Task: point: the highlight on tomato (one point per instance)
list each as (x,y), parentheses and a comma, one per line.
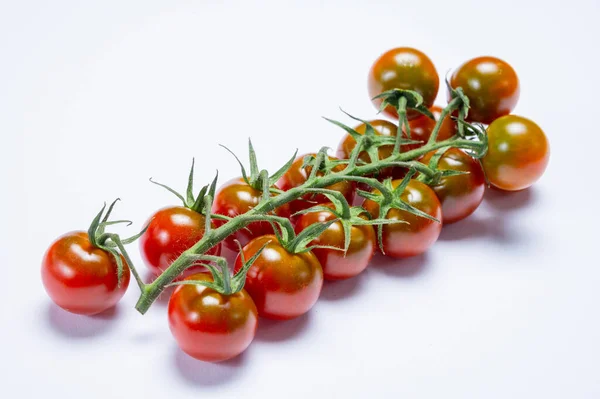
(518,153)
(339,264)
(282,283)
(211,316)
(460,195)
(491,85)
(83,273)
(172,230)
(403,68)
(418,233)
(210,325)
(297,175)
(236,197)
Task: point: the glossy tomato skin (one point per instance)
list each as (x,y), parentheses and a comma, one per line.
(282,285)
(171,231)
(210,326)
(236,197)
(404,68)
(80,277)
(422,127)
(297,175)
(382,128)
(491,85)
(459,195)
(336,265)
(518,153)
(402,240)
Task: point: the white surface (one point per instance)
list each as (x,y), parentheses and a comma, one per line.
(96,98)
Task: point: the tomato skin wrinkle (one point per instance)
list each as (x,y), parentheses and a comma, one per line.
(337,265)
(236,197)
(459,195)
(171,231)
(403,68)
(491,85)
(518,153)
(80,277)
(210,326)
(297,175)
(402,240)
(283,285)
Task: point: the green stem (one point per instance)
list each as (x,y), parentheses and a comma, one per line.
(402,120)
(356,173)
(453,105)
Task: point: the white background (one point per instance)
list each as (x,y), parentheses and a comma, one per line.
(96,97)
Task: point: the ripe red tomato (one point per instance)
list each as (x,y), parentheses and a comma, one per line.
(404,68)
(415,237)
(491,85)
(80,277)
(337,265)
(170,232)
(422,127)
(297,175)
(235,198)
(283,285)
(460,195)
(211,326)
(382,128)
(518,153)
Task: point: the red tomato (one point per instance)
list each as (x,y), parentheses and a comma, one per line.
(460,195)
(422,127)
(518,153)
(404,68)
(491,85)
(415,237)
(382,128)
(235,198)
(80,277)
(211,326)
(297,175)
(170,232)
(336,265)
(282,285)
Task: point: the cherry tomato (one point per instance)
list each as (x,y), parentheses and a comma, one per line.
(336,265)
(460,195)
(491,85)
(518,153)
(235,198)
(404,68)
(211,326)
(415,237)
(382,128)
(297,175)
(80,277)
(422,127)
(170,232)
(283,285)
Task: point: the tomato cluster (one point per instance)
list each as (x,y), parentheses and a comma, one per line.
(212,321)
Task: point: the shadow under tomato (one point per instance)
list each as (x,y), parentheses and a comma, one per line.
(336,290)
(198,373)
(509,200)
(73,325)
(495,229)
(282,330)
(411,267)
